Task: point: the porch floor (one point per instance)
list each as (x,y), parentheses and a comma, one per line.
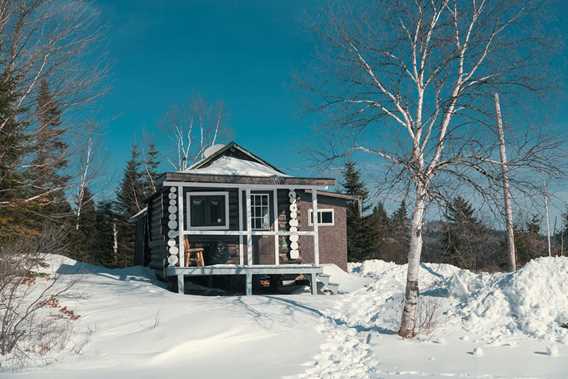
(248,270)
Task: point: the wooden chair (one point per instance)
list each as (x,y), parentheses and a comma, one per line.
(192,256)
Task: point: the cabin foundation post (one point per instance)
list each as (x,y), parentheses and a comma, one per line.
(249,284)
(313,283)
(181,284)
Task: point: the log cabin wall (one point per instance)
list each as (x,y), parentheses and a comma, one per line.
(332,238)
(157,220)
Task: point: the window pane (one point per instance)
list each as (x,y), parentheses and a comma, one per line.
(326,217)
(208,210)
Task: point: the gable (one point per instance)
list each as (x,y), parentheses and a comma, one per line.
(233,159)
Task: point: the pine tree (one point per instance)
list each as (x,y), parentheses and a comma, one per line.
(50,157)
(129,200)
(399,232)
(359,236)
(150,170)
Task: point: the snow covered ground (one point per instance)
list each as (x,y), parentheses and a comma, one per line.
(479,326)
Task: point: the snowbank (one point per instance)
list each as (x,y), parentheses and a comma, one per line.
(531,302)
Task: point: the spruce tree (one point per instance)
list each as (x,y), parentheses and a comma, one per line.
(378,232)
(104,245)
(359,236)
(150,170)
(463,235)
(129,201)
(46,171)
(14,146)
(399,232)
(87,232)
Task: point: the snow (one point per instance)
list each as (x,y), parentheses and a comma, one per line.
(485,326)
(227,165)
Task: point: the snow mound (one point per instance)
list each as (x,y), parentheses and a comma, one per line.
(531,302)
(59,264)
(234,166)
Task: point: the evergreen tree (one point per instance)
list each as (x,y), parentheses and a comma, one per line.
(14,145)
(86,230)
(463,236)
(399,234)
(129,200)
(104,245)
(150,174)
(359,236)
(379,229)
(529,243)
(50,158)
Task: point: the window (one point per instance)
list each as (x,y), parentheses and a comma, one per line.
(208,210)
(325,217)
(260,211)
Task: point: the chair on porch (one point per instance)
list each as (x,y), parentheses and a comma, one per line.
(192,256)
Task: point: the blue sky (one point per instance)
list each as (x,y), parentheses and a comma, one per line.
(243,53)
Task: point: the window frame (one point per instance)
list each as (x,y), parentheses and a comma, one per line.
(311,218)
(253,217)
(207,193)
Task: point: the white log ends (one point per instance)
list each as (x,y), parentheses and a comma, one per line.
(173,217)
(172,195)
(293,223)
(172,209)
(171,243)
(173,234)
(294,254)
(173,260)
(173,189)
(172,225)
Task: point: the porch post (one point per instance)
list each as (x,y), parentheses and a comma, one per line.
(276,226)
(316,226)
(249,227)
(180,228)
(240,213)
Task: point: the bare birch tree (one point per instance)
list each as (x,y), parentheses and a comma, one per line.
(507,200)
(193,127)
(411,83)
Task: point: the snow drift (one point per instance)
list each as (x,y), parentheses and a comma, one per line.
(531,302)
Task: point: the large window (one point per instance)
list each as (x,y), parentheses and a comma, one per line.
(208,210)
(325,217)
(260,211)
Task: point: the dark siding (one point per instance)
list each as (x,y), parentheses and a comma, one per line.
(157,221)
(332,239)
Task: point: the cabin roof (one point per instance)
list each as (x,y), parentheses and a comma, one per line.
(234,164)
(233,159)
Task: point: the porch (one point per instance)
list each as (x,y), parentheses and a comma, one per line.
(272,234)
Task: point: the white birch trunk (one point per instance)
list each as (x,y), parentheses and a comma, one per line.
(506,187)
(408,321)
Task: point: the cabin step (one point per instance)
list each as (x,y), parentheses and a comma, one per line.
(325,286)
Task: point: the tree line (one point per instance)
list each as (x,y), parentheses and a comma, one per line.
(461,237)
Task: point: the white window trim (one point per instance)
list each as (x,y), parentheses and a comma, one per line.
(208,193)
(268,226)
(320,210)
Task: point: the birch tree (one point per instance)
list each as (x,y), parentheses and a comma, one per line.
(411,83)
(193,128)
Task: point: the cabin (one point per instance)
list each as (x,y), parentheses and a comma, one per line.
(234,214)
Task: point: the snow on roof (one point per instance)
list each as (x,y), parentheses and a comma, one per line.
(228,165)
